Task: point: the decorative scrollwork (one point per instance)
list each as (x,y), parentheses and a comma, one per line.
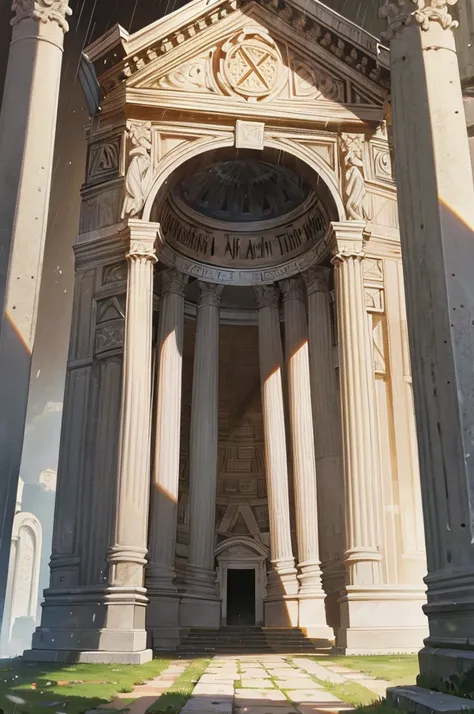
(401,13)
(43,10)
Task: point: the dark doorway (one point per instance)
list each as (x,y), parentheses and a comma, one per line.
(241,597)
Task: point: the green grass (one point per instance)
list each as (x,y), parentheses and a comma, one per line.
(174,699)
(72,689)
(399,669)
(381,707)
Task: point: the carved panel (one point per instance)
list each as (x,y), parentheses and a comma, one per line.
(249,135)
(111,309)
(115,273)
(104,160)
(374,298)
(110,337)
(373,269)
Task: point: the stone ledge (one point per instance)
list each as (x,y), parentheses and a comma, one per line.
(425,701)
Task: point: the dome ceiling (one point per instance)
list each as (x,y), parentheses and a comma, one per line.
(241,191)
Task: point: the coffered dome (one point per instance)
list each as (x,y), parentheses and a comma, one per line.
(243,191)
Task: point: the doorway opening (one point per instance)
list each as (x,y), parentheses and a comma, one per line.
(241,597)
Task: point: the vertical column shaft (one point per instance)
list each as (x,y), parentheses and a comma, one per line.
(271,365)
(203,445)
(164,495)
(27,133)
(302,433)
(362,557)
(127,555)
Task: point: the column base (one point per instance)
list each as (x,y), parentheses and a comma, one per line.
(92,625)
(162,620)
(312,618)
(446,668)
(282,611)
(199,611)
(367,617)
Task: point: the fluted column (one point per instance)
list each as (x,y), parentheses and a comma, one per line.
(362,555)
(127,555)
(282,580)
(201,574)
(311,596)
(162,612)
(436,207)
(164,499)
(27,133)
(327,430)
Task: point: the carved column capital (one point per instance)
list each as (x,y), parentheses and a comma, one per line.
(42,10)
(346,240)
(402,13)
(210,294)
(143,240)
(267,296)
(172,281)
(293,289)
(317,279)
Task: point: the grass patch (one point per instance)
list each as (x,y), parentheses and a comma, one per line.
(350,693)
(381,707)
(399,669)
(72,689)
(174,699)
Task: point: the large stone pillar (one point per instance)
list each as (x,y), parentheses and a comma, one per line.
(27,133)
(201,605)
(436,207)
(163,609)
(327,431)
(312,612)
(363,611)
(281,605)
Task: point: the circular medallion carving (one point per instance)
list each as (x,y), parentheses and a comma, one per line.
(251,64)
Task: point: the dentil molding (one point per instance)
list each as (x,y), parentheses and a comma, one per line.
(401,13)
(43,10)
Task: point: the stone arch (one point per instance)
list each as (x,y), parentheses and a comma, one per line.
(184,152)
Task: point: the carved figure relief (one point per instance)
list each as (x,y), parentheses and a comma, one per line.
(139,174)
(354,188)
(251,64)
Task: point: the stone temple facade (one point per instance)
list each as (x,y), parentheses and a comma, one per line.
(238,441)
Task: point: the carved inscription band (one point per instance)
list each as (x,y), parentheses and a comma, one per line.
(43,10)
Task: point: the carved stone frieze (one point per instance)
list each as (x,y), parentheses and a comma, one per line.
(402,13)
(42,10)
(139,173)
(354,186)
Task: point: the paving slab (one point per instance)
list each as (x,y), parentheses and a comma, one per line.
(319,671)
(289,673)
(255,695)
(140,706)
(212,679)
(338,668)
(295,683)
(268,708)
(202,704)
(316,696)
(324,709)
(248,682)
(213,690)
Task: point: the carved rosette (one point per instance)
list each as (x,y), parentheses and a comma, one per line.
(402,13)
(42,10)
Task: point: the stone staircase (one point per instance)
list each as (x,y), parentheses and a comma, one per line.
(200,641)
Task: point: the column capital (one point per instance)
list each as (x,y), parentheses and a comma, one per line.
(402,13)
(317,279)
(267,296)
(172,281)
(210,294)
(347,239)
(142,240)
(293,289)
(42,10)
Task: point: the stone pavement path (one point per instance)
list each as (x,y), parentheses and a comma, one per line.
(146,694)
(264,684)
(337,674)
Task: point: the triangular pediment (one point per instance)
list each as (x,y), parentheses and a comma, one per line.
(252,51)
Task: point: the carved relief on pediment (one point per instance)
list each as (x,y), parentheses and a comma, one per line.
(250,65)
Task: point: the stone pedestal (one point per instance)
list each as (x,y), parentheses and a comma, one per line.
(201,605)
(436,207)
(27,133)
(328,445)
(312,612)
(281,605)
(163,608)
